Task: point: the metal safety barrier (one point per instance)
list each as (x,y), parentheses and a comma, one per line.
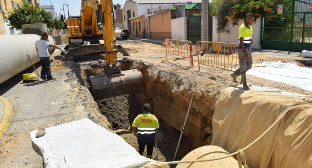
(179,48)
(217,54)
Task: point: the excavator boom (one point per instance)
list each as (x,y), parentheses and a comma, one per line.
(113,78)
(108,29)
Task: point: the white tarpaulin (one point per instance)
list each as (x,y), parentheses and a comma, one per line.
(84,144)
(289,73)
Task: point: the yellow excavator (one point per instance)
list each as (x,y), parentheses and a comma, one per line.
(91,11)
(89,26)
(85,31)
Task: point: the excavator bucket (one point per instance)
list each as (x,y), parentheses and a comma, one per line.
(90,52)
(85,52)
(106,85)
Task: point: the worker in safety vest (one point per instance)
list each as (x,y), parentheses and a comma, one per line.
(244,51)
(144,127)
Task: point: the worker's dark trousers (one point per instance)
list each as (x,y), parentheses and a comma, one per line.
(244,65)
(46,69)
(149,148)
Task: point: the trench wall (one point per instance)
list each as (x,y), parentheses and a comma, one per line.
(170,95)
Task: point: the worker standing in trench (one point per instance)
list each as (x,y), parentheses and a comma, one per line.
(244,52)
(144,127)
(42,49)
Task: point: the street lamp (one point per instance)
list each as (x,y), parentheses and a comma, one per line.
(64,11)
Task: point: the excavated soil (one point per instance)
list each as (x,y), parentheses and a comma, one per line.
(120,110)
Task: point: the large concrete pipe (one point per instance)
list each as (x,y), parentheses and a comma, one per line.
(105,85)
(36,28)
(14,50)
(209,152)
(122,34)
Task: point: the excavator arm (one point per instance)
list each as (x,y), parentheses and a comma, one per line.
(111,50)
(108,29)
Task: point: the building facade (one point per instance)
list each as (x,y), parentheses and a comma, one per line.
(135,8)
(9,5)
(138,26)
(118,19)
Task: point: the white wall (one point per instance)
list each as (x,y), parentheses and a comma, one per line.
(232,36)
(179,28)
(8,30)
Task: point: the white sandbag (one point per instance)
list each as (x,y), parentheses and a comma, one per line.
(306,54)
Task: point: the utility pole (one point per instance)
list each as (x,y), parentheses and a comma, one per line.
(205,20)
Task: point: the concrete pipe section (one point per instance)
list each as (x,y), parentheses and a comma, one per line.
(14,50)
(122,34)
(209,152)
(104,84)
(36,28)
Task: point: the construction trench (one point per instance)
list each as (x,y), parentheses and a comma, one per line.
(169,96)
(169,91)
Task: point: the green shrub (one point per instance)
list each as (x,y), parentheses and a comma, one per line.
(26,13)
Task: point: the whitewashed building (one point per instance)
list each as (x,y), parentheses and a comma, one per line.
(135,8)
(50,9)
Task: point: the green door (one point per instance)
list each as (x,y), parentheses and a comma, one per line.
(194,28)
(292,30)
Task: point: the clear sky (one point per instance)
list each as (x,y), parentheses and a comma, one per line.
(74,5)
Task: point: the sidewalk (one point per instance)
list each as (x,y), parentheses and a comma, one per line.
(279,53)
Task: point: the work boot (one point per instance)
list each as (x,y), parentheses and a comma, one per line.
(244,81)
(149,156)
(50,78)
(235,75)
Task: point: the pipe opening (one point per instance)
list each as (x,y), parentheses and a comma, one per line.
(122,34)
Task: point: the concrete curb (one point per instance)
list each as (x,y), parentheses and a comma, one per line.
(7,115)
